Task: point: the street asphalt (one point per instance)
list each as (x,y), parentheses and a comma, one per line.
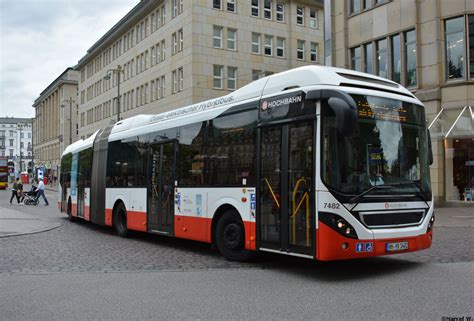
(53,269)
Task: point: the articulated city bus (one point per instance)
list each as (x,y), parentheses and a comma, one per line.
(317,162)
(3,172)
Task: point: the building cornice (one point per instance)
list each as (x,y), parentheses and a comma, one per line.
(54,85)
(139,11)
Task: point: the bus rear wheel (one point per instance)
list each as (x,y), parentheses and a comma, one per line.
(120,220)
(230,237)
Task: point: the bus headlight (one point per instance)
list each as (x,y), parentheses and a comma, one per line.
(338,224)
(431,223)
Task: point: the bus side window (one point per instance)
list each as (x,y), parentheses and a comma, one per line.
(231,149)
(191,158)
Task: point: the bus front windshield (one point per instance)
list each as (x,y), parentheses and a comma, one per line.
(388,148)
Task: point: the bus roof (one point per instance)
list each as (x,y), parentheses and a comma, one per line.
(297,78)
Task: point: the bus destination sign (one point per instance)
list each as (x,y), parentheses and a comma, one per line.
(381,112)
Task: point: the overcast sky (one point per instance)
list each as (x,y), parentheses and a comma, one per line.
(39,39)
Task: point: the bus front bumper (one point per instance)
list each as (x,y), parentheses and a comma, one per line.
(333,246)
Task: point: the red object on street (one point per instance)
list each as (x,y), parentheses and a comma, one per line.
(45,180)
(24,178)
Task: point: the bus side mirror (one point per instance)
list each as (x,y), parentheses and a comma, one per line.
(430,149)
(346,117)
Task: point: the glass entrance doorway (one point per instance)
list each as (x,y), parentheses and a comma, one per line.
(286,188)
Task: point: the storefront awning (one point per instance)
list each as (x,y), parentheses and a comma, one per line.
(453,123)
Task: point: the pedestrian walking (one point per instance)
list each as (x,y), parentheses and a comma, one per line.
(41,192)
(19,192)
(15,191)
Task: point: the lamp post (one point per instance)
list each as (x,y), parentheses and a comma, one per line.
(20,126)
(107,76)
(70,101)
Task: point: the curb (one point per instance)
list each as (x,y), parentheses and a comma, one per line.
(56,225)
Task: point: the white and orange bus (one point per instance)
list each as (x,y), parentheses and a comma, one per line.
(317,162)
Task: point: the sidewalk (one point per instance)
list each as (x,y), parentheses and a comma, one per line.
(454,217)
(14,222)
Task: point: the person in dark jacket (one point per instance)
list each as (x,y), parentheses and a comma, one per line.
(14,191)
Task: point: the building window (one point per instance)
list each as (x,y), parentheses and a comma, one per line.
(216,4)
(255,43)
(300,16)
(382,62)
(163,50)
(300,50)
(368,58)
(180,79)
(231,5)
(11,142)
(255,8)
(180,40)
(231,39)
(314,52)
(217,37)
(454,29)
(174,41)
(267,9)
(256,74)
(410,58)
(268,45)
(175,8)
(396,59)
(280,12)
(471,46)
(163,87)
(217,78)
(163,15)
(280,47)
(231,78)
(313,18)
(355,59)
(355,6)
(174,79)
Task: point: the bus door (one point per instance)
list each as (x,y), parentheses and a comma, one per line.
(286,214)
(161,174)
(81,193)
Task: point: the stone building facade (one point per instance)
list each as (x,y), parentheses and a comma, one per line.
(171,53)
(55,122)
(16,143)
(427,46)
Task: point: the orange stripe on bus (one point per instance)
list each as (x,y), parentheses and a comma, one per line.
(193,228)
(108,216)
(136,221)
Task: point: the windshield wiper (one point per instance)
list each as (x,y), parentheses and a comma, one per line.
(419,193)
(356,198)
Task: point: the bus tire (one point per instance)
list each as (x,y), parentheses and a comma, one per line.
(230,237)
(120,220)
(69,212)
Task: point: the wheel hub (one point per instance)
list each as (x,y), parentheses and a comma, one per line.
(232,236)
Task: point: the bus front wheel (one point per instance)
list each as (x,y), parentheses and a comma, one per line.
(230,237)
(120,220)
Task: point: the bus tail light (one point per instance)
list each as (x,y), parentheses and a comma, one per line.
(338,224)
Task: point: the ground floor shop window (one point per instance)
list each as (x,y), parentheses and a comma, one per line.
(460,169)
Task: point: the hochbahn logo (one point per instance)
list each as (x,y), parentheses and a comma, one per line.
(269,104)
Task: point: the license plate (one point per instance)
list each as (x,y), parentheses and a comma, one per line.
(397,246)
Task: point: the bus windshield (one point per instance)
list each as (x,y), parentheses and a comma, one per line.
(389,147)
